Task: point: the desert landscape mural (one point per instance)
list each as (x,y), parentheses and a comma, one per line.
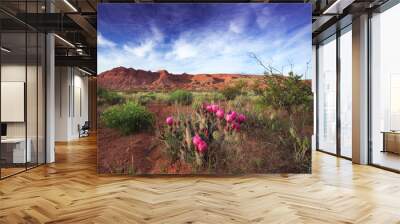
(176,100)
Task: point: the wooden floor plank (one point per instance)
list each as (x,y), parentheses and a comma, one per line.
(70,191)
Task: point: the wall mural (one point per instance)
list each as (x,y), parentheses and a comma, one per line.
(204,88)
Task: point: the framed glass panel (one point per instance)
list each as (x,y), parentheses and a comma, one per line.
(327,95)
(385,89)
(41,99)
(14,153)
(346,93)
(32,98)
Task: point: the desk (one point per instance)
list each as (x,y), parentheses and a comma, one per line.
(391,141)
(17,148)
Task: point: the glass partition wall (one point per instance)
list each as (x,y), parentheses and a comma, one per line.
(22,77)
(334,93)
(327,95)
(385,89)
(345,90)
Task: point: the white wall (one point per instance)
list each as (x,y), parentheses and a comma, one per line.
(62,82)
(71,102)
(16,73)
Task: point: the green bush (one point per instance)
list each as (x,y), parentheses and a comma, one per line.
(181,97)
(213,97)
(128,118)
(144,99)
(109,97)
(242,101)
(206,97)
(231,92)
(238,87)
(287,93)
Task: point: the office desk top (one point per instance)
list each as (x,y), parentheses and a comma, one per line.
(390,132)
(13,140)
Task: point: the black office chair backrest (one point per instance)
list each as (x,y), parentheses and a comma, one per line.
(86,125)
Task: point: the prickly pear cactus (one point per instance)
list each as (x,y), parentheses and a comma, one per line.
(217,135)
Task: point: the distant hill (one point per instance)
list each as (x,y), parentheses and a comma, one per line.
(125,79)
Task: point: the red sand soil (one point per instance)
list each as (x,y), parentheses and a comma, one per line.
(142,151)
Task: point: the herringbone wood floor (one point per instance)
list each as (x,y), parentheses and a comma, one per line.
(70,191)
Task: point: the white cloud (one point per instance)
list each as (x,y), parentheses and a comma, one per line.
(142,50)
(234,27)
(262,19)
(103,42)
(156,34)
(208,51)
(182,50)
(147,46)
(238,25)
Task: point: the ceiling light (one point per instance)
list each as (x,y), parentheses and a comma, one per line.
(337,7)
(86,72)
(64,40)
(79,51)
(70,5)
(5,50)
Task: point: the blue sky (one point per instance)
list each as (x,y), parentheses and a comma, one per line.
(204,38)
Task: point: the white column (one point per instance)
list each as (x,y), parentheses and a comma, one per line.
(360,89)
(314,90)
(50,94)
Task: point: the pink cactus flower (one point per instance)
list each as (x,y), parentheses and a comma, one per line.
(209,108)
(229,118)
(236,126)
(233,114)
(202,146)
(214,108)
(220,113)
(241,118)
(196,140)
(169,120)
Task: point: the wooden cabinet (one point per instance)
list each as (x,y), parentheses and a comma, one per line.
(391,142)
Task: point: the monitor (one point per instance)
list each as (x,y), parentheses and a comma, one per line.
(3,129)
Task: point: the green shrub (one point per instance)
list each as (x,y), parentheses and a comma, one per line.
(238,87)
(128,118)
(144,99)
(109,97)
(209,97)
(287,93)
(214,97)
(231,92)
(242,101)
(302,149)
(181,97)
(197,103)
